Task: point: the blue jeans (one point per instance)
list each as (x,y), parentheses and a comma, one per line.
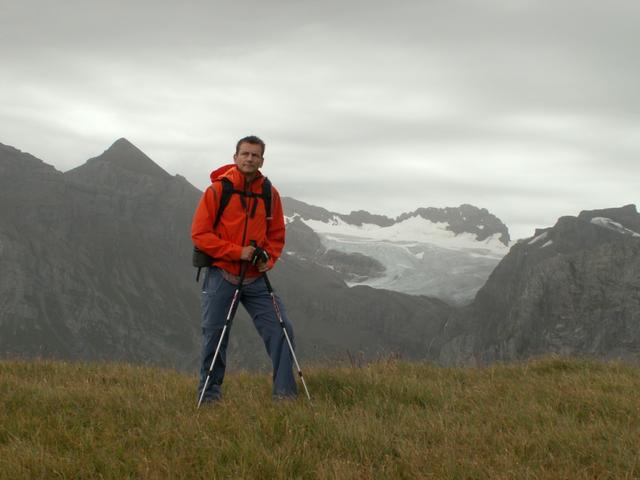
(217,294)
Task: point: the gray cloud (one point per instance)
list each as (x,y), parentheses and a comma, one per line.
(528,108)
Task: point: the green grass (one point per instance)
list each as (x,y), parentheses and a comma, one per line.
(551,418)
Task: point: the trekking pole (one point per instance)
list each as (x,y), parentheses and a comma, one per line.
(230,315)
(286,335)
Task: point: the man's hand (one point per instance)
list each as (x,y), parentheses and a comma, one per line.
(247,253)
(262,266)
(261,260)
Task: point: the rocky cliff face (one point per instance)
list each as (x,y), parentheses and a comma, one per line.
(570,289)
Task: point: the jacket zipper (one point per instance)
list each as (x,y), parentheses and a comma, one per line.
(246,219)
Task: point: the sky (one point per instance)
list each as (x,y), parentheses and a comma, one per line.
(530,109)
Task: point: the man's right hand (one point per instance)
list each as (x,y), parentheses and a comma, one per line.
(247,253)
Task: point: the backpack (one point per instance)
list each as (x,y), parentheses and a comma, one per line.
(200,259)
(228,190)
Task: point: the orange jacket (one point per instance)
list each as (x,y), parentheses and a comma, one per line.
(237,227)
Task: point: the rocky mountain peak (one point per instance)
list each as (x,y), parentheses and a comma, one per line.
(126,155)
(121,158)
(464,219)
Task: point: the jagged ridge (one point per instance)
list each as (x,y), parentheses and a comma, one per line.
(463,219)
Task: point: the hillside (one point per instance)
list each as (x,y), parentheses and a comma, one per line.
(542,419)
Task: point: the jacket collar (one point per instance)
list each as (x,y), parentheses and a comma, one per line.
(238,179)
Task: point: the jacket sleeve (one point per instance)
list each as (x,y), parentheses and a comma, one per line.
(202,233)
(274,242)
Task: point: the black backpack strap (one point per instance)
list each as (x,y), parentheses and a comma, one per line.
(266,196)
(227,191)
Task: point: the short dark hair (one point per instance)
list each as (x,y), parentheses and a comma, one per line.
(251,139)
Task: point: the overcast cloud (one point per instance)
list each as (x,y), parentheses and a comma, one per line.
(530,109)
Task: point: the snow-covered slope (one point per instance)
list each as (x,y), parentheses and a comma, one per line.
(420,256)
(615,226)
(412,230)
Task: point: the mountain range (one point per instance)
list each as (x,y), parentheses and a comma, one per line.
(95,265)
(446,253)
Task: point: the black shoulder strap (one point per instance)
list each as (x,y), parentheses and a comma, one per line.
(266,196)
(227,190)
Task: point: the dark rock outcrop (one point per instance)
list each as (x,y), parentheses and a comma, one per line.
(354,267)
(302,240)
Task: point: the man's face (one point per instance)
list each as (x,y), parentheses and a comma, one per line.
(249,158)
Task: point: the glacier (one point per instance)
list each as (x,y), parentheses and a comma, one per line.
(421,257)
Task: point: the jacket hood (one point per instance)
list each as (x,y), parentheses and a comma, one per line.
(231,172)
(219,172)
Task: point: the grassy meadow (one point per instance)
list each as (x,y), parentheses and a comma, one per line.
(543,419)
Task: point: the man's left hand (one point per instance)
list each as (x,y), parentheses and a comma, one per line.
(262,266)
(261,259)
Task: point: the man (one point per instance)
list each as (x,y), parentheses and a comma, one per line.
(243,221)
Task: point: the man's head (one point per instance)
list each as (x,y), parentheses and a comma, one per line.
(249,156)
(252,139)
